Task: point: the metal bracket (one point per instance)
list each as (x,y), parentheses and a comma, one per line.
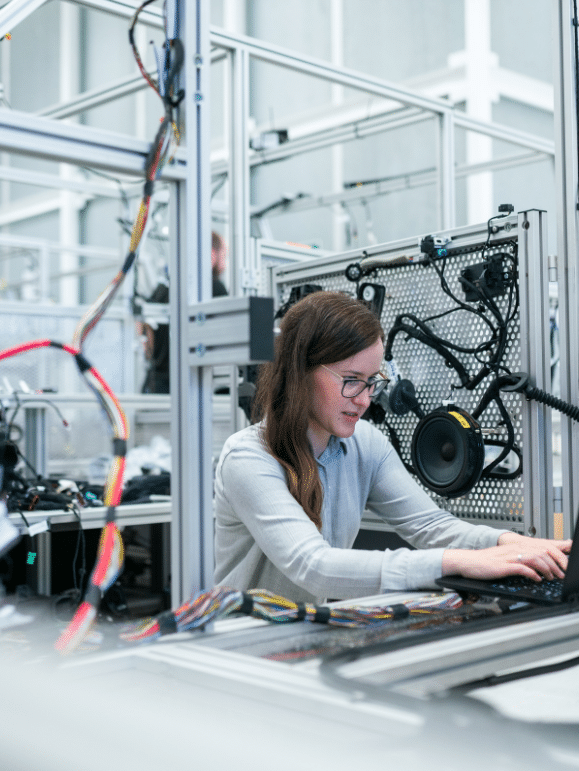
(231,330)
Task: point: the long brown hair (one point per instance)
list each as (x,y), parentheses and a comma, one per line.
(323,328)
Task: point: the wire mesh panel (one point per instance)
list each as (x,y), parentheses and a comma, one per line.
(426,299)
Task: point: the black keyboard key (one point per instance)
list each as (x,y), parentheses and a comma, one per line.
(515,584)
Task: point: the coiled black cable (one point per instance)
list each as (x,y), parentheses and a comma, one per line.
(537,395)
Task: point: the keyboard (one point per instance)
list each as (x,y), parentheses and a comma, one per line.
(515,588)
(548,591)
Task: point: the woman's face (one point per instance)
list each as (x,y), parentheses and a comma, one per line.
(330,412)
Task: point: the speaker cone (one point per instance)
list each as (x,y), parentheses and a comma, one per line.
(448,451)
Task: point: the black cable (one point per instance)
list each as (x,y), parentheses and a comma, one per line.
(396,444)
(424,335)
(80,539)
(27,462)
(499,333)
(489,472)
(492,680)
(447,291)
(536,394)
(15,411)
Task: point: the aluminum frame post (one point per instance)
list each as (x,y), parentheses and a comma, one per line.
(536,360)
(238,172)
(243,277)
(446,171)
(191,431)
(566,176)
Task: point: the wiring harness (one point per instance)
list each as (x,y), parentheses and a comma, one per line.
(222,601)
(496,275)
(110,552)
(160,153)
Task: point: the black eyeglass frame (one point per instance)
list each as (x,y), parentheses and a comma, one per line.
(379,384)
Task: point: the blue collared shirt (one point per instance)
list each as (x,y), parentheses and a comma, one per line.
(265,540)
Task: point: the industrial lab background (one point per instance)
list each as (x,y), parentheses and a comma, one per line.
(334,125)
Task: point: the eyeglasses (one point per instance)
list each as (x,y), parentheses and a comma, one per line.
(352,387)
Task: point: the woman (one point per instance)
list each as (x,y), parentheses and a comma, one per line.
(290,491)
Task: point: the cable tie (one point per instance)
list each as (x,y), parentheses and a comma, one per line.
(322,615)
(301,611)
(175,101)
(93,595)
(119,447)
(247,604)
(111,514)
(398,611)
(167,622)
(128,262)
(82,363)
(148,188)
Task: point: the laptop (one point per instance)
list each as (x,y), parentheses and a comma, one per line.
(520,588)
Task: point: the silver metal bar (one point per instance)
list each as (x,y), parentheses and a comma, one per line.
(506,133)
(191,431)
(25,242)
(90,99)
(151,16)
(317,68)
(566,159)
(535,360)
(437,666)
(408,181)
(243,279)
(73,143)
(35,437)
(44,563)
(283,57)
(55,277)
(137,401)
(319,139)
(95,517)
(15,12)
(85,186)
(98,96)
(446,173)
(466,235)
(238,168)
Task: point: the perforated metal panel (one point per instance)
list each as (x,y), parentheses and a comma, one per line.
(416,289)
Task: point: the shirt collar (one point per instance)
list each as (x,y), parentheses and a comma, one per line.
(335,449)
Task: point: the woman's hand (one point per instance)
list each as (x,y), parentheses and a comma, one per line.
(514,555)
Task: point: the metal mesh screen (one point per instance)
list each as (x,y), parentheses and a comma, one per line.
(416,289)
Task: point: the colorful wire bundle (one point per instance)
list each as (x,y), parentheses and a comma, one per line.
(110,555)
(221,602)
(105,572)
(162,150)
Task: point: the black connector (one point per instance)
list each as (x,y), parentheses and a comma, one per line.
(434,246)
(485,279)
(297,293)
(372,295)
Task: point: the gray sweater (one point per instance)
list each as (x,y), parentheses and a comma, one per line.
(265,540)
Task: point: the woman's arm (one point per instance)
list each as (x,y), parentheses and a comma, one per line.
(514,555)
(473,550)
(403,504)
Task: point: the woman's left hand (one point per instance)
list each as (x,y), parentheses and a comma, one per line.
(546,557)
